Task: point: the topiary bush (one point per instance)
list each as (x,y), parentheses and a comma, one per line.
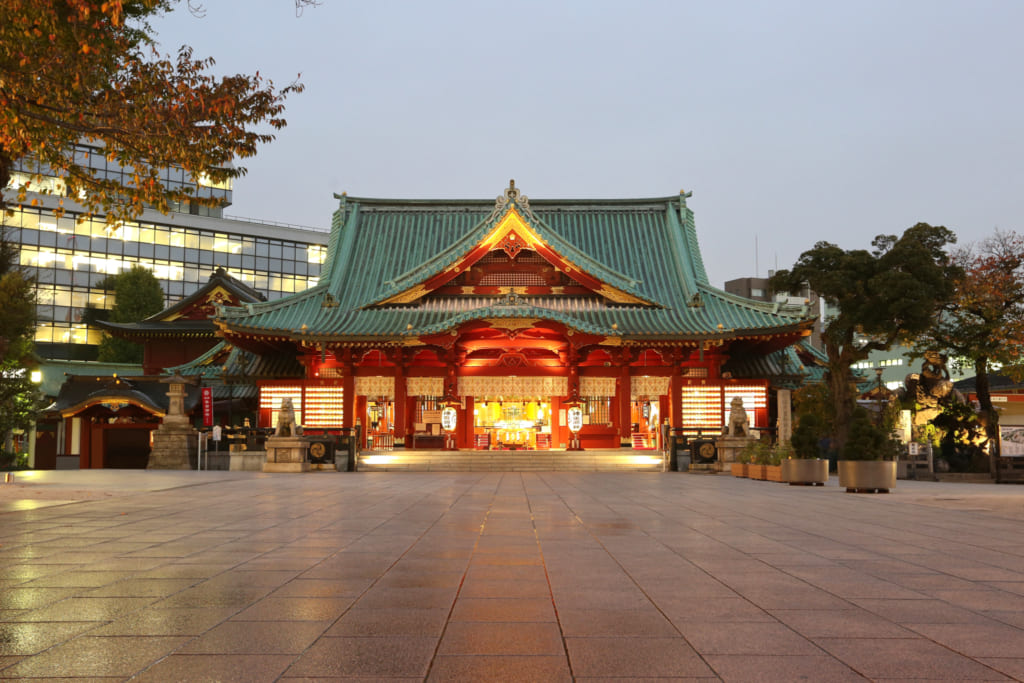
(867,440)
(807,436)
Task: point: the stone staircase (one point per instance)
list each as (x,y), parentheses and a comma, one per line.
(621,460)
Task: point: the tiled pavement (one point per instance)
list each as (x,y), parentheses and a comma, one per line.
(164,576)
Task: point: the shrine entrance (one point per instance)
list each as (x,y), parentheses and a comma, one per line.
(380,423)
(645,418)
(501,424)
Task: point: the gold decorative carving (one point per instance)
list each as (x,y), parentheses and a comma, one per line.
(511,324)
(513,387)
(597,386)
(382,387)
(424,386)
(648,386)
(408,296)
(620,297)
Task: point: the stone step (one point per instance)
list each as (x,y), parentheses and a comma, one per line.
(624,460)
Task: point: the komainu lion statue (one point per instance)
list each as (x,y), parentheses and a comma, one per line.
(286,420)
(739,425)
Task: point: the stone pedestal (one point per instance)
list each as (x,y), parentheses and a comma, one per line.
(174,446)
(247,461)
(287,454)
(174,441)
(785,407)
(728,448)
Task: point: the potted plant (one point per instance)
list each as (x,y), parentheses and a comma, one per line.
(868,460)
(741,466)
(759,453)
(804,466)
(777,454)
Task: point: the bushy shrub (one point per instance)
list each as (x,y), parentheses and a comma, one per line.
(756,452)
(9,460)
(781,451)
(868,441)
(806,437)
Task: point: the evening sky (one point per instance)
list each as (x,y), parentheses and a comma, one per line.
(790,121)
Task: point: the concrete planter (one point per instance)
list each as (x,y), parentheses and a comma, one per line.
(867,476)
(805,472)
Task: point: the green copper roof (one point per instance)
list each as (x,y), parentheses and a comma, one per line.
(645,247)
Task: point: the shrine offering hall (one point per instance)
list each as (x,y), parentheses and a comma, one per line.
(513,324)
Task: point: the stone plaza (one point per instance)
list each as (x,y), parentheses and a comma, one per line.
(540,576)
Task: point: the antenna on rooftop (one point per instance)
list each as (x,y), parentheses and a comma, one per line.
(757,265)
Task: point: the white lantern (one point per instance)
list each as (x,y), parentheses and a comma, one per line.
(448,419)
(575,416)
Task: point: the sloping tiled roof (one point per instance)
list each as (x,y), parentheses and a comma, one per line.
(79,392)
(167,324)
(233,372)
(645,247)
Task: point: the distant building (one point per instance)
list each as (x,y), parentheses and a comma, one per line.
(759,289)
(69,258)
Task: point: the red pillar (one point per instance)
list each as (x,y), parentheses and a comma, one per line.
(622,398)
(400,403)
(348,385)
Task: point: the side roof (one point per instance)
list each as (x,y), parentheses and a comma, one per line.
(191,316)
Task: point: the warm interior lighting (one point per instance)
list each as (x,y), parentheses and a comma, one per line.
(377,459)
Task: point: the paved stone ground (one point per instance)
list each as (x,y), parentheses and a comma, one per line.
(164,576)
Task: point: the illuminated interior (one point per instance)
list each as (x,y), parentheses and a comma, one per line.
(324,407)
(272,396)
(500,423)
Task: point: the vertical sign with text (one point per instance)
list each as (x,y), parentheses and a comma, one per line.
(207,406)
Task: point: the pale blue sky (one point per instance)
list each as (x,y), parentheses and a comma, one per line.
(789,121)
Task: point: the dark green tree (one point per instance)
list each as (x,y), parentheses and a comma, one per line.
(137,295)
(19,399)
(879,297)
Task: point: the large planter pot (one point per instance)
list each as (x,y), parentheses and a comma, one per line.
(739,469)
(773,472)
(867,476)
(799,472)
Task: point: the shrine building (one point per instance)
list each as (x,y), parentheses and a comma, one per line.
(504,319)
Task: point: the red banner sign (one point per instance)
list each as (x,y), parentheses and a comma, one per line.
(207,406)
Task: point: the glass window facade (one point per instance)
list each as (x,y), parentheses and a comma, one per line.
(68,259)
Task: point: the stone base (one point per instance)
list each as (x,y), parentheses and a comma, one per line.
(174,448)
(287,454)
(729,447)
(247,461)
(286,467)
